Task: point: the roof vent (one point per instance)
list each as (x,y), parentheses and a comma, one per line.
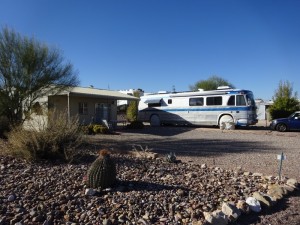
(223,87)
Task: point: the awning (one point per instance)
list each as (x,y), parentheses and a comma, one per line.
(152,100)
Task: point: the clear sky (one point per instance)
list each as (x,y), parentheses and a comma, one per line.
(157,44)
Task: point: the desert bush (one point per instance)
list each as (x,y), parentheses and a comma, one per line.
(87,129)
(4,126)
(57,137)
(100,129)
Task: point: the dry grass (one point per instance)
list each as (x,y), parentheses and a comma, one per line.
(53,137)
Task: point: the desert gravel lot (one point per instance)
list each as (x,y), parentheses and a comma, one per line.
(53,193)
(254,149)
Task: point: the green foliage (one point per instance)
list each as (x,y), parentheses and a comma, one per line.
(87,129)
(102,172)
(100,129)
(212,83)
(135,125)
(94,129)
(54,138)
(132,110)
(29,70)
(285,101)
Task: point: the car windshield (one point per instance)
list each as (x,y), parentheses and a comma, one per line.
(295,114)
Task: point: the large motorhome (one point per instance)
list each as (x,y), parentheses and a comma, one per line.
(199,108)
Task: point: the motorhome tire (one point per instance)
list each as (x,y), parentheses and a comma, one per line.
(225,119)
(154,121)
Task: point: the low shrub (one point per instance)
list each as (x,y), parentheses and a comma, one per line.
(88,129)
(56,138)
(100,129)
(94,129)
(4,126)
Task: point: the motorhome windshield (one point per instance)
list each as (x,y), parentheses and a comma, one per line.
(250,99)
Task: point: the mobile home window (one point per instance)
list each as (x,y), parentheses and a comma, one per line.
(196,102)
(169,101)
(83,108)
(214,100)
(240,100)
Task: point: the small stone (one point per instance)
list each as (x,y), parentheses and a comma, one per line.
(231,211)
(11,198)
(292,182)
(203,166)
(253,204)
(288,188)
(243,206)
(263,199)
(276,191)
(257,174)
(216,218)
(89,192)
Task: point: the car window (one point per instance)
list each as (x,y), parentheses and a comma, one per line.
(297,115)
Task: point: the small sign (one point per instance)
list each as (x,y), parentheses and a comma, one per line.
(281,157)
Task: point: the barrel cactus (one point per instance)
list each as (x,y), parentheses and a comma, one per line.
(102,172)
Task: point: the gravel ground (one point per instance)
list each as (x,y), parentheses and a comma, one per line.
(254,149)
(153,191)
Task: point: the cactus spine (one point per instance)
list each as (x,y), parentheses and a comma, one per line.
(102,172)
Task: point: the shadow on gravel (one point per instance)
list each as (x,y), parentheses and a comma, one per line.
(185,147)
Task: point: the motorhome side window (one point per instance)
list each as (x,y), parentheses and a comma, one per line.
(169,101)
(154,104)
(231,100)
(214,100)
(196,101)
(240,100)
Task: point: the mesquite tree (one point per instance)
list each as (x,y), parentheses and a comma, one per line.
(29,70)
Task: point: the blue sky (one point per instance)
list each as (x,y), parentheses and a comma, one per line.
(157,44)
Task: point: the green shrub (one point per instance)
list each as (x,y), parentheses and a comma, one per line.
(100,129)
(56,138)
(88,129)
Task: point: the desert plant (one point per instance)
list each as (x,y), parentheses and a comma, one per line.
(53,137)
(102,172)
(100,129)
(171,157)
(87,129)
(132,109)
(4,126)
(141,151)
(285,101)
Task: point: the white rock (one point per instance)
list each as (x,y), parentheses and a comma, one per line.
(292,182)
(89,191)
(254,204)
